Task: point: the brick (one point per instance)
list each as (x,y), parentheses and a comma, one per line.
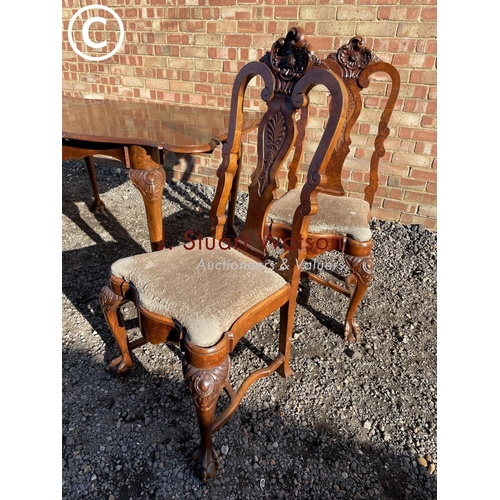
(428,175)
(393,194)
(400,206)
(197,100)
(384,214)
(250,27)
(413,159)
(392,46)
(398,13)
(427,210)
(132,81)
(429,14)
(181,54)
(354,13)
(222,53)
(154,83)
(286,12)
(417,30)
(239,12)
(393,169)
(317,13)
(423,198)
(428,77)
(195,76)
(377,29)
(197,52)
(407,183)
(181,86)
(426,148)
(429,121)
(237,41)
(405,119)
(428,223)
(424,135)
(179,63)
(208,40)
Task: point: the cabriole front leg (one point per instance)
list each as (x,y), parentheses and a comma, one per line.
(110,303)
(206,371)
(362,269)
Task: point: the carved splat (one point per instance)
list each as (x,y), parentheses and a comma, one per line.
(274,136)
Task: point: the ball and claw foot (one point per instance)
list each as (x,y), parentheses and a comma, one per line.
(205,463)
(98,206)
(351,332)
(118,367)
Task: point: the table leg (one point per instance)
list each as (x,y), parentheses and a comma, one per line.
(98,204)
(149,178)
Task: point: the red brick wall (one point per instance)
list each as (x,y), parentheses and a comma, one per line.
(188,51)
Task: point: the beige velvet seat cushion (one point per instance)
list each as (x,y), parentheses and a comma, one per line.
(336,215)
(205,290)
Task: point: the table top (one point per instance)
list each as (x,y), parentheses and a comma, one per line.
(175,128)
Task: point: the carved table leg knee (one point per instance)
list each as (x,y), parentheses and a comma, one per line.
(206,371)
(149,178)
(362,269)
(110,302)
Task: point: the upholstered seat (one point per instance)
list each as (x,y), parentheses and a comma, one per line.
(179,283)
(336,215)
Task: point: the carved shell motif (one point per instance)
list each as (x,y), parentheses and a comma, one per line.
(274,136)
(289,59)
(149,182)
(205,385)
(362,267)
(353,57)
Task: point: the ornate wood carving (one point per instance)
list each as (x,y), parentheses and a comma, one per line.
(289,59)
(273,139)
(149,182)
(109,299)
(205,385)
(362,268)
(353,57)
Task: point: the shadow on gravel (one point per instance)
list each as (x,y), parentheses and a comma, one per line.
(133,438)
(349,424)
(328,321)
(86,270)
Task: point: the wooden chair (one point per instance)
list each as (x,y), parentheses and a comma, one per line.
(205,299)
(342,223)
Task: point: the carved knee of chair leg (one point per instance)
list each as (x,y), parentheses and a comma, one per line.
(206,371)
(362,269)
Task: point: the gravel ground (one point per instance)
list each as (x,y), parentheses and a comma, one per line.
(354,421)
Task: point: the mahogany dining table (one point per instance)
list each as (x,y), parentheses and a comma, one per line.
(143,132)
